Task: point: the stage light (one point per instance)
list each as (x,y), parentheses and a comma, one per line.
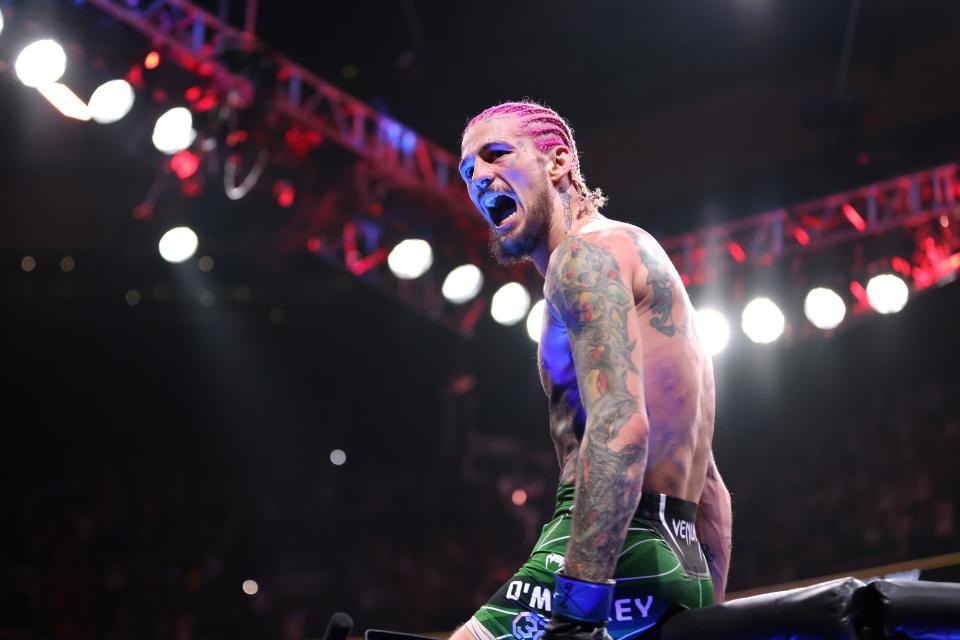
(67,264)
(462,284)
(41,62)
(65,101)
(338,457)
(1,21)
(250,587)
(762,320)
(510,304)
(184,164)
(152,61)
(174,131)
(111,101)
(178,244)
(519,497)
(535,320)
(132,297)
(887,293)
(714,330)
(824,308)
(28,263)
(410,259)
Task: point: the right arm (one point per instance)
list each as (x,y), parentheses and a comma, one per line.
(715,528)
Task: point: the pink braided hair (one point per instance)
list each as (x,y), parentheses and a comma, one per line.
(547,130)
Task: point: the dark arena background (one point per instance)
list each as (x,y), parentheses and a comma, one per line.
(235,405)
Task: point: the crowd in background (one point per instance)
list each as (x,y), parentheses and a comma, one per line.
(109,552)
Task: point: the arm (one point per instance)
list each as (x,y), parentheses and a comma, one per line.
(588,284)
(715,528)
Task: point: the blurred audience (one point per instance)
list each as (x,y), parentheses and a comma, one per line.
(114,552)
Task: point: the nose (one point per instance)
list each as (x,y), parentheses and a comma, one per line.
(482,177)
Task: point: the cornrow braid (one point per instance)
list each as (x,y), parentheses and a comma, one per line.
(547,129)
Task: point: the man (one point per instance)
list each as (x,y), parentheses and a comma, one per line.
(643,519)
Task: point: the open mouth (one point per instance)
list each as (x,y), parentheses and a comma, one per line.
(499,207)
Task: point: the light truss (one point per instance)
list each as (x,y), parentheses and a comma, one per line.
(397,154)
(757,241)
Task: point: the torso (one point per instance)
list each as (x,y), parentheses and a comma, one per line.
(677,377)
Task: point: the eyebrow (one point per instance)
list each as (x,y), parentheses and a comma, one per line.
(483,148)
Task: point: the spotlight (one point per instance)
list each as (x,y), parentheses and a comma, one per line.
(178,244)
(152,61)
(410,259)
(1,21)
(65,101)
(519,497)
(714,330)
(41,62)
(887,293)
(338,457)
(510,303)
(174,131)
(535,320)
(462,284)
(111,101)
(250,587)
(824,308)
(762,321)
(184,164)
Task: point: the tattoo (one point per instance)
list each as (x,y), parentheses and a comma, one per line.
(584,284)
(659,278)
(567,215)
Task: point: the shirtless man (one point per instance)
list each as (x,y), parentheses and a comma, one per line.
(643,522)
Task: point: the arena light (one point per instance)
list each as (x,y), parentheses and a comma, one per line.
(535,320)
(510,304)
(887,293)
(178,244)
(824,308)
(714,330)
(462,284)
(410,259)
(762,321)
(65,101)
(174,131)
(41,62)
(111,101)
(1,20)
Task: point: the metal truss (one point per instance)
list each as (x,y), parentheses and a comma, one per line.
(395,152)
(757,241)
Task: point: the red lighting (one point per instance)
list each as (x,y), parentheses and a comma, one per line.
(854,218)
(152,61)
(736,251)
(376,208)
(193,93)
(901,265)
(859,293)
(184,164)
(191,188)
(685,279)
(284,193)
(519,497)
(313,244)
(801,236)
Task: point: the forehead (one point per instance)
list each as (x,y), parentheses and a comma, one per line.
(503,128)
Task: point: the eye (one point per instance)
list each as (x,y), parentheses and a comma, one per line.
(498,153)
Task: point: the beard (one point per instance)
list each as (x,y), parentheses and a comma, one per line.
(517,245)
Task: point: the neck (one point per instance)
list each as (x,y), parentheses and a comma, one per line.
(570,212)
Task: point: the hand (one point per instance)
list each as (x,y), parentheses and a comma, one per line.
(559,629)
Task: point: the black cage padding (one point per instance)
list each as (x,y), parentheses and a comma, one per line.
(818,612)
(917,609)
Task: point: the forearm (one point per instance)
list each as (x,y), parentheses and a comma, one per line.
(715,530)
(610,469)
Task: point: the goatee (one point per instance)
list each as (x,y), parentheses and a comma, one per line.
(517,245)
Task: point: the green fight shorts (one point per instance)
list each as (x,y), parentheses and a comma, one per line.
(661,570)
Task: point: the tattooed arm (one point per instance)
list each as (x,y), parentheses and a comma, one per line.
(588,284)
(715,528)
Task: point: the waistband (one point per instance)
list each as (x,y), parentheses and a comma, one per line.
(651,505)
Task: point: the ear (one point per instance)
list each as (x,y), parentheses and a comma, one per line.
(559,163)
